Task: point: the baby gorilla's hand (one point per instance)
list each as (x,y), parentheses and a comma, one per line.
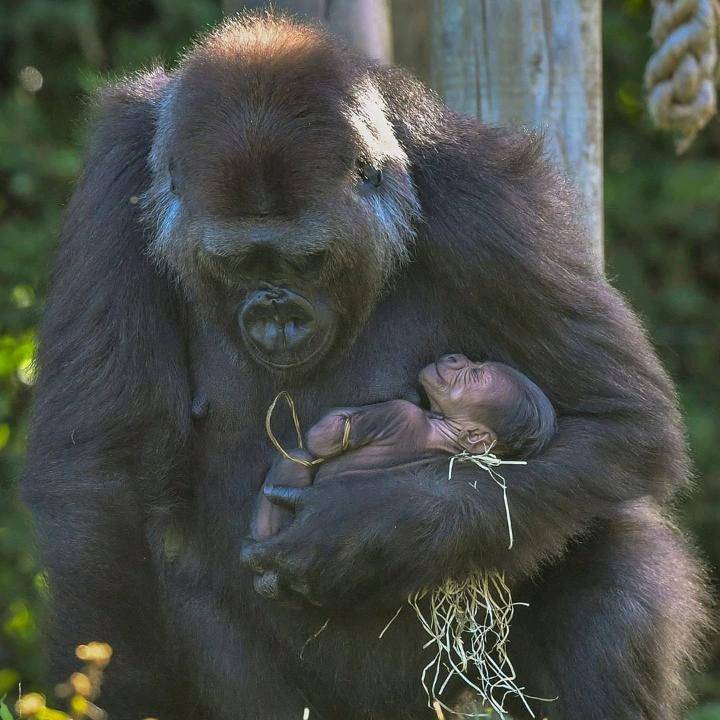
(391,426)
(362,447)
(327,437)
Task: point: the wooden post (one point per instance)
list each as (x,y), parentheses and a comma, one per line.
(365,24)
(530,62)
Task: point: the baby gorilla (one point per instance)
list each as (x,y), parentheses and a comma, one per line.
(474,408)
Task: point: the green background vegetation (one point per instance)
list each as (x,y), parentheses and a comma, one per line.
(662,212)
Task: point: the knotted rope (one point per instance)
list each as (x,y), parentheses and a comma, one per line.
(680,77)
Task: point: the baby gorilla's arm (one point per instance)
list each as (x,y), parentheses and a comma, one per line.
(393,426)
(380,434)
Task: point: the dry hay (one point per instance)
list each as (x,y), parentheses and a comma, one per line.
(468,621)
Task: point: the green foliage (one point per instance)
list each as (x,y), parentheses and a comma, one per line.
(662,213)
(663,222)
(708,711)
(70,47)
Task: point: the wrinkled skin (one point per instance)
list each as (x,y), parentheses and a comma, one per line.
(382,436)
(277,214)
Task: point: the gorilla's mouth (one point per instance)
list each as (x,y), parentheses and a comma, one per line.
(283,329)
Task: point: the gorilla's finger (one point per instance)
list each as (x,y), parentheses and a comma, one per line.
(288,472)
(284,496)
(283,585)
(267,585)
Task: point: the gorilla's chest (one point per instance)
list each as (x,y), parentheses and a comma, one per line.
(231,451)
(381,364)
(231,455)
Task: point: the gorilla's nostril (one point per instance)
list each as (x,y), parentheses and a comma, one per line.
(266,334)
(283,329)
(454,361)
(277,332)
(295,331)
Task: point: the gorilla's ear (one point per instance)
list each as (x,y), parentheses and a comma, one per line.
(477,440)
(111,355)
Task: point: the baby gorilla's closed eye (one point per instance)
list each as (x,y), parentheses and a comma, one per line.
(483,405)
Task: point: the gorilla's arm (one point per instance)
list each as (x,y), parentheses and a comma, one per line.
(502,254)
(110,413)
(503,237)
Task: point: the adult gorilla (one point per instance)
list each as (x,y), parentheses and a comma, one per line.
(277,214)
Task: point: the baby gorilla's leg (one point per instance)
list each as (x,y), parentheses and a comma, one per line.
(270,519)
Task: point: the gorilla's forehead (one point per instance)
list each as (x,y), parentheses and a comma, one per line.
(255,116)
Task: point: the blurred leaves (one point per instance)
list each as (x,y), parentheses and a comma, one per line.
(663,248)
(52,54)
(708,711)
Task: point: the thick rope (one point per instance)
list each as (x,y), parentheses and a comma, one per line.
(680,77)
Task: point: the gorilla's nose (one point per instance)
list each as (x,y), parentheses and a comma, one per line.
(278,322)
(455,361)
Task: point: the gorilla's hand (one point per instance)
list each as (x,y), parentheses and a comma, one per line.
(381,533)
(355,539)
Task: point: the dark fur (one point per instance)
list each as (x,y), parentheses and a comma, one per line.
(142,516)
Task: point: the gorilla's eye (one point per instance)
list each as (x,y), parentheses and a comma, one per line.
(173,180)
(311,262)
(369,173)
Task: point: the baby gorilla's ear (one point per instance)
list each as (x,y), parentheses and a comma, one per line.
(477,440)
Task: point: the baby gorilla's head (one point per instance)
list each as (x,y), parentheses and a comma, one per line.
(488,404)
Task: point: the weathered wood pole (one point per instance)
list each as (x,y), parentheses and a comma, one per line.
(365,24)
(531,62)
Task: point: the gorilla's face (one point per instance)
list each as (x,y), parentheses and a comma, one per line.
(281,200)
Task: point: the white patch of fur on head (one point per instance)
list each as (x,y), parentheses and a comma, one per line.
(390,211)
(394,205)
(162,207)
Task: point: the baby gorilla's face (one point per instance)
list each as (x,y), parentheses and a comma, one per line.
(461,390)
(457,386)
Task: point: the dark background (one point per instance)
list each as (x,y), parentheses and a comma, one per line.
(662,246)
